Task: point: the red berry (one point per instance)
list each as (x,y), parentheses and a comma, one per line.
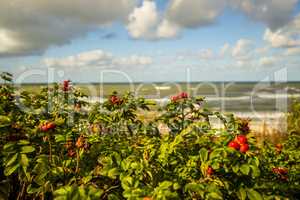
(44,128)
(174,98)
(244,148)
(282,170)
(241,139)
(66,85)
(234,145)
(80,142)
(50,125)
(183,95)
(114,99)
(275,170)
(210,171)
(71,153)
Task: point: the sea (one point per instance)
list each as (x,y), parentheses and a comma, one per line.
(262,102)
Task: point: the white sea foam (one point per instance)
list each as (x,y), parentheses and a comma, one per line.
(276,95)
(163,87)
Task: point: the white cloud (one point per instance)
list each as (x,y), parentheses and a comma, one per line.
(273,13)
(35,25)
(285,37)
(206,54)
(191,13)
(242,63)
(7,43)
(245,54)
(280,39)
(32,26)
(143,20)
(147,23)
(196,13)
(242,48)
(267,61)
(133,60)
(292,52)
(167,29)
(97,58)
(224,49)
(262,50)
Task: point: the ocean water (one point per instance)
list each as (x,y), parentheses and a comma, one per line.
(238,97)
(262,102)
(223,96)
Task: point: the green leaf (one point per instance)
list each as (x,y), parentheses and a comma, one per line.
(4,121)
(27,149)
(24,161)
(12,160)
(9,170)
(165,184)
(215,165)
(6,76)
(112,173)
(214,195)
(32,190)
(59,121)
(253,195)
(176,186)
(203,154)
(62,191)
(245,169)
(60,138)
(215,153)
(23,142)
(8,146)
(255,171)
(242,194)
(256,160)
(126,182)
(235,168)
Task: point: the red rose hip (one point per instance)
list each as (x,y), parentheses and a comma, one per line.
(44,128)
(174,98)
(244,148)
(210,171)
(234,145)
(241,139)
(51,125)
(183,95)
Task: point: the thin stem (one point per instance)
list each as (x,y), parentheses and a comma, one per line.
(77,161)
(20,195)
(50,149)
(182,117)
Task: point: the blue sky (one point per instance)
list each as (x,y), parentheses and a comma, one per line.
(150,41)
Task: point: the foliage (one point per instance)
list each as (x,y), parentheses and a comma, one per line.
(55,145)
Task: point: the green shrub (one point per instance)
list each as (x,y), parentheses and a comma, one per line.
(63,148)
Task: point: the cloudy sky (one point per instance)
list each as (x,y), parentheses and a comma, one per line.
(162,40)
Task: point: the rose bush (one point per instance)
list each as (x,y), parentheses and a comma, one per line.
(55,145)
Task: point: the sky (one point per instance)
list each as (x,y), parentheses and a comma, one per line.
(150,41)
